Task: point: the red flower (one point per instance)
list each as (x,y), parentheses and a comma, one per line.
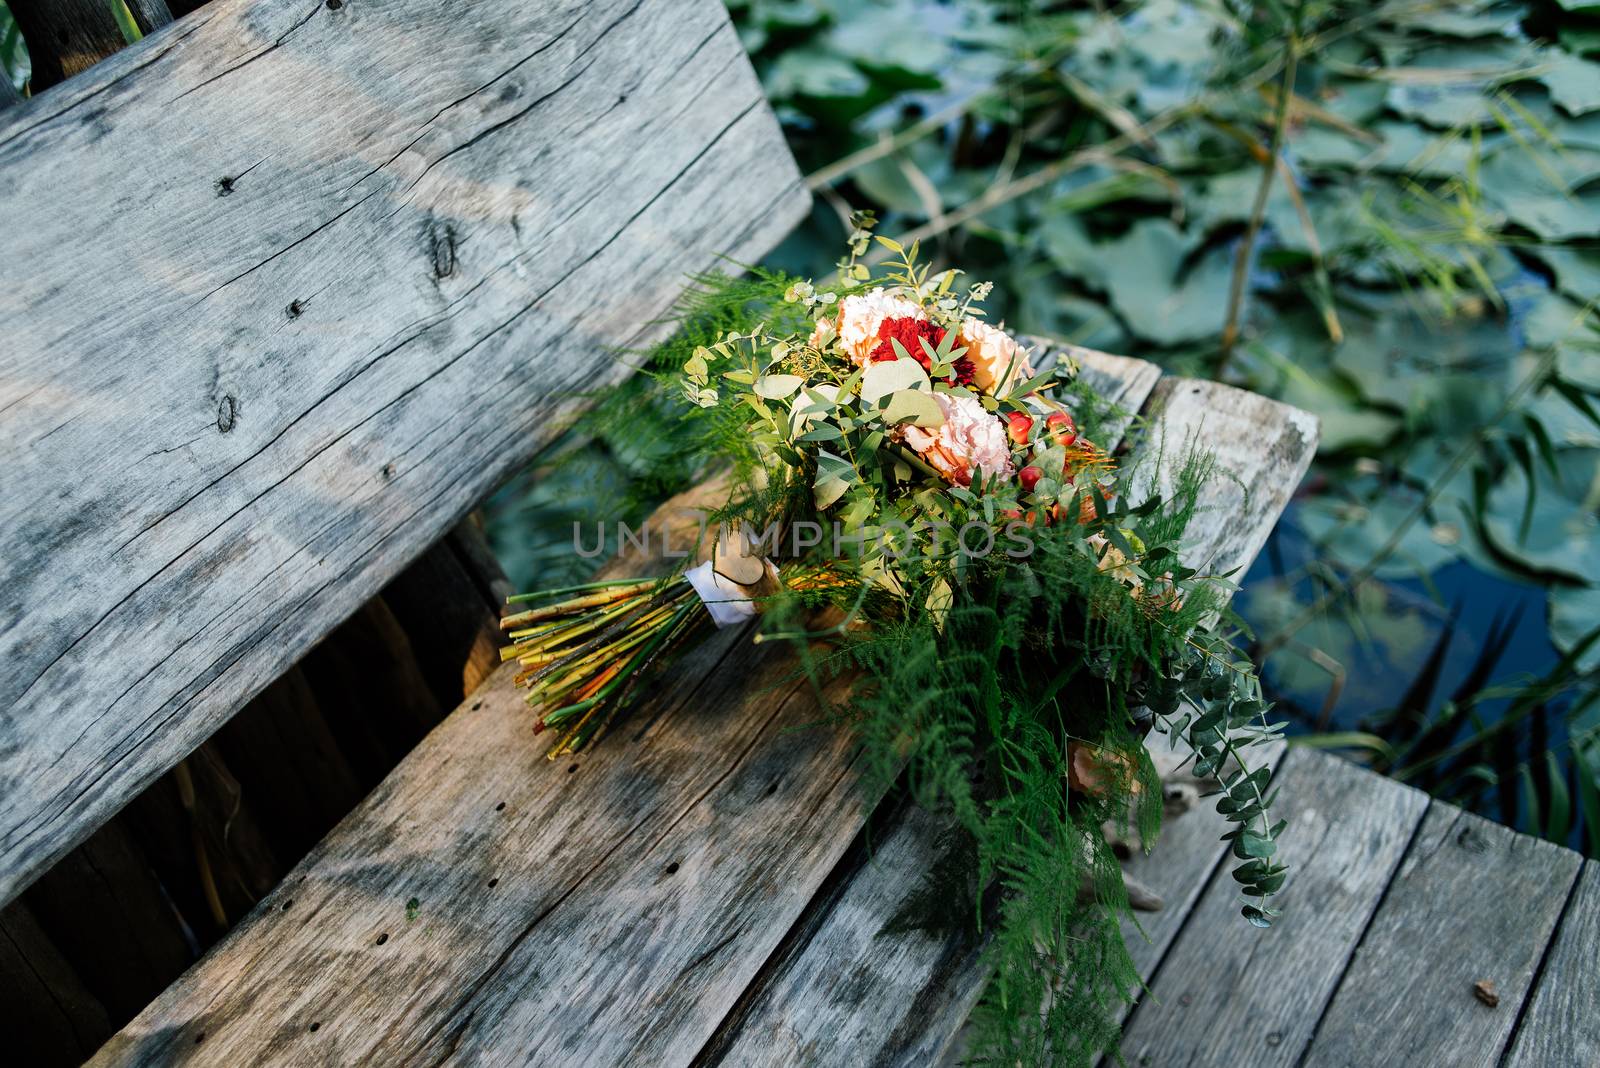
(909,332)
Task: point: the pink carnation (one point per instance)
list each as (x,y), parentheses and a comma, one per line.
(970,438)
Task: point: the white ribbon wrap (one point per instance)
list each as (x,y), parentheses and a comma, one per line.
(728,602)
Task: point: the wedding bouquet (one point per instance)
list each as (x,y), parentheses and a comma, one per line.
(928,513)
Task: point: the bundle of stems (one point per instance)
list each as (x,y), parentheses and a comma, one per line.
(584,654)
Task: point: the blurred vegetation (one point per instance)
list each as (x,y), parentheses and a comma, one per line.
(1387,214)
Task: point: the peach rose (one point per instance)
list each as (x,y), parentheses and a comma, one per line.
(998,362)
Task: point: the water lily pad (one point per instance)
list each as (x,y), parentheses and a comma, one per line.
(1574,83)
(1159,300)
(1563,423)
(1580,365)
(814,72)
(1448,85)
(1577,270)
(1551,319)
(1557,533)
(1354,534)
(1545,194)
(1574,615)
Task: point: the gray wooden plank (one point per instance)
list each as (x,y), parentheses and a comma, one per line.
(1474,900)
(1561,1024)
(1227,993)
(802,1015)
(356,264)
(1261,449)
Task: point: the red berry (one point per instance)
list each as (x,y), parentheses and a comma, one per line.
(1061,428)
(1029,477)
(1019,426)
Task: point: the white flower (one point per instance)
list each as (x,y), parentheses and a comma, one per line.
(861,314)
(998,362)
(970,438)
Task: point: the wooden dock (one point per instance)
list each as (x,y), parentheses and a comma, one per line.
(1399,906)
(297,285)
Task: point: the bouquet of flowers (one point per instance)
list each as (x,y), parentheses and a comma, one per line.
(927,512)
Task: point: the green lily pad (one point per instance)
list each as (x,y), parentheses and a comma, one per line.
(1544,194)
(1577,270)
(875,36)
(1354,534)
(1574,83)
(1563,423)
(1580,365)
(1448,85)
(1559,534)
(814,72)
(1553,319)
(1142,274)
(1574,615)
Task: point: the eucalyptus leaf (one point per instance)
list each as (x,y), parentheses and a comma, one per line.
(777,387)
(835,476)
(913,406)
(883,377)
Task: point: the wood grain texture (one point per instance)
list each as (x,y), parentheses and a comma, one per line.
(1227,993)
(1473,900)
(932,981)
(1561,1024)
(357,265)
(1261,449)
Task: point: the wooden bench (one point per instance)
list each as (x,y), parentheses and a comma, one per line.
(360,261)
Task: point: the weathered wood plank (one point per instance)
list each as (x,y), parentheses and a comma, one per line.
(1473,901)
(801,1015)
(1261,449)
(1227,993)
(362,262)
(625,868)
(1561,1024)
